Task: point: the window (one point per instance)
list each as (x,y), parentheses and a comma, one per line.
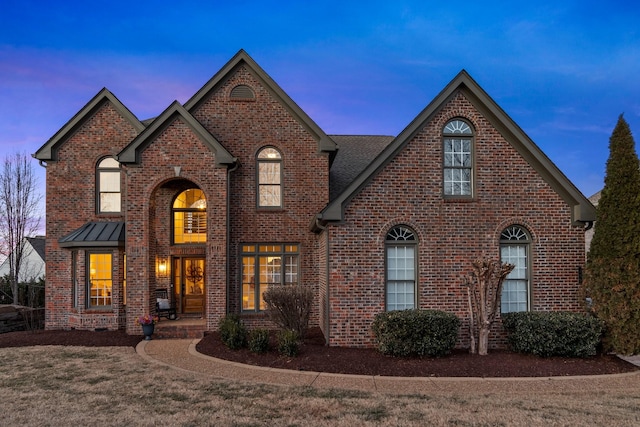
(100,279)
(109,199)
(514,249)
(458,159)
(269,178)
(190,217)
(400,248)
(266,265)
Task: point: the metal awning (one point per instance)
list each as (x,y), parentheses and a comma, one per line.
(95,234)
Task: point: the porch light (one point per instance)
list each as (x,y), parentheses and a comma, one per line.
(162,267)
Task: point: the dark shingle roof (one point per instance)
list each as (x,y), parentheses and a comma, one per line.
(38,245)
(355,152)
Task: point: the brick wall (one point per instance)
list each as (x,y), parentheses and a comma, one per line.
(243,128)
(70,199)
(451,233)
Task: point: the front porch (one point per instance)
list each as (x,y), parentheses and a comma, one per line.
(181,328)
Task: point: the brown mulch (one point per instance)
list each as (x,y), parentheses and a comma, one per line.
(315,356)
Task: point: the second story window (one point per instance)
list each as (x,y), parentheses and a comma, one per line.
(190,217)
(269,178)
(458,159)
(108,186)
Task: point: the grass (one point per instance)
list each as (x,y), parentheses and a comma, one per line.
(64,386)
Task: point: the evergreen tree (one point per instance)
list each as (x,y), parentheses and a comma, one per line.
(612,277)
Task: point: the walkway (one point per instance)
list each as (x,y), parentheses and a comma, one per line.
(181,354)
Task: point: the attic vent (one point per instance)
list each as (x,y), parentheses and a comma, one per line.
(243,92)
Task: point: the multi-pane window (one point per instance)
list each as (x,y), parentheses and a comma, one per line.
(400,248)
(100,279)
(109,197)
(265,265)
(269,178)
(458,159)
(190,217)
(514,249)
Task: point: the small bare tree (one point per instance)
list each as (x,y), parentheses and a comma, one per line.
(484,286)
(19,203)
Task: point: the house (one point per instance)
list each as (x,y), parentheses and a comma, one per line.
(33,260)
(238,189)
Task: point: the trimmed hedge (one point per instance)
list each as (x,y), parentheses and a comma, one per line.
(552,333)
(416,332)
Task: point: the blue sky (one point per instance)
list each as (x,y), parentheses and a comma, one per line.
(563,71)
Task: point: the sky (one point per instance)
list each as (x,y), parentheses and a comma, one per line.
(564,71)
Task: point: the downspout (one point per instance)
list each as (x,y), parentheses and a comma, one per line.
(588,225)
(328,308)
(228,226)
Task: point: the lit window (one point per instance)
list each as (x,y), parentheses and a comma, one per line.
(266,265)
(400,248)
(100,279)
(514,249)
(109,197)
(269,178)
(190,217)
(458,159)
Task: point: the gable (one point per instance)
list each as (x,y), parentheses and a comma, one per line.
(242,59)
(582,210)
(131,153)
(49,151)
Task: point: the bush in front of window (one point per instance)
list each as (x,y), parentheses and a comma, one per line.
(556,333)
(416,332)
(288,342)
(289,306)
(259,340)
(232,332)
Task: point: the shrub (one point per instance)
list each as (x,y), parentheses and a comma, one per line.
(289,306)
(553,333)
(416,332)
(232,332)
(259,340)
(288,342)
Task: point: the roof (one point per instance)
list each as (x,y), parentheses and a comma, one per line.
(131,153)
(49,151)
(95,234)
(325,144)
(582,209)
(38,244)
(355,152)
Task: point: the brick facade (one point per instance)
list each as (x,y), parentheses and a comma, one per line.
(211,143)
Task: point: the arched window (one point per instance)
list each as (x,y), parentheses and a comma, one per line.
(400,248)
(190,217)
(109,198)
(514,249)
(269,178)
(457,159)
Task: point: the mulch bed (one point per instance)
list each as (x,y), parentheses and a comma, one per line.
(315,356)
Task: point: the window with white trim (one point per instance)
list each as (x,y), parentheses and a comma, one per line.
(400,249)
(99,279)
(457,159)
(190,217)
(514,249)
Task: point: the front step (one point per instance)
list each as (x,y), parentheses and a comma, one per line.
(183,328)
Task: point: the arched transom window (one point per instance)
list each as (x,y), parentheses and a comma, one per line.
(269,178)
(514,249)
(109,198)
(457,159)
(190,217)
(400,249)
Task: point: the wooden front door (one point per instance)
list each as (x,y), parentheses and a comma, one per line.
(189,279)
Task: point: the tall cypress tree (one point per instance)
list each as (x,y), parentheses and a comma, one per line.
(612,276)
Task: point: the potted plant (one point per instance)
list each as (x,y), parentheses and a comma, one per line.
(147,322)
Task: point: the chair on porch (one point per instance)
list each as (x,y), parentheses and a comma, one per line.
(165,306)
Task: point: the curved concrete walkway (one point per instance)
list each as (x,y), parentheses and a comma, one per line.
(181,354)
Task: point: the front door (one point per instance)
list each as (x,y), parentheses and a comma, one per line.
(189,280)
